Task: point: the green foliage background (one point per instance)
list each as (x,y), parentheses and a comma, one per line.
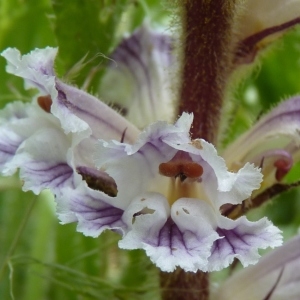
(42,259)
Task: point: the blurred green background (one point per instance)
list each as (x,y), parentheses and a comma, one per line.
(41,259)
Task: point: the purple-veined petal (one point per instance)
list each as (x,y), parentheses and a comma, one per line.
(169,242)
(151,138)
(77,110)
(144,68)
(173,248)
(195,221)
(275,277)
(241,239)
(39,175)
(279,125)
(91,210)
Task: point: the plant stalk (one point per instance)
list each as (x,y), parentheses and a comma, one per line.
(207,63)
(207,60)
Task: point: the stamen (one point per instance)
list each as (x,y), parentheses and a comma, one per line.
(45,103)
(182,166)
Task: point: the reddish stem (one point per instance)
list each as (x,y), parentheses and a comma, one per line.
(181,285)
(207,62)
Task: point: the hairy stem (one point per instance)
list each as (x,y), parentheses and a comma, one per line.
(181,285)
(208,55)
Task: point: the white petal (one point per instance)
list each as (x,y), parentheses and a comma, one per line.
(144,69)
(242,184)
(36,67)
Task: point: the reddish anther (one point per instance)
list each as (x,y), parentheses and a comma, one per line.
(182,169)
(282,168)
(45,103)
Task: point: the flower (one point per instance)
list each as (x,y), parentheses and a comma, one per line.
(276,276)
(171,190)
(272,143)
(159,189)
(49,138)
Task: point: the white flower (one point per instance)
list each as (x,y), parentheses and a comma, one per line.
(171,190)
(272,143)
(52,139)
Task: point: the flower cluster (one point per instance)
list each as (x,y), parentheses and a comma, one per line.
(158,188)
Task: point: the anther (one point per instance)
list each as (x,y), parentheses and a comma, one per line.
(45,103)
(182,166)
(98,181)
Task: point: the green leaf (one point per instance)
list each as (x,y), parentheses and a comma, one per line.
(279,75)
(85,28)
(25,25)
